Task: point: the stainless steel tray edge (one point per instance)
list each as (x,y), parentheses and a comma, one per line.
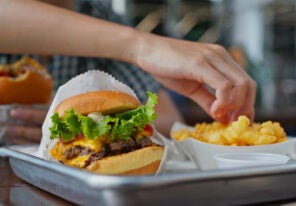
(213,187)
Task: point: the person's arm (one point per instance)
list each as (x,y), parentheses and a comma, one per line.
(186,67)
(35,27)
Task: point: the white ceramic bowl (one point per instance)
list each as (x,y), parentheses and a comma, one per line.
(202,154)
(249,159)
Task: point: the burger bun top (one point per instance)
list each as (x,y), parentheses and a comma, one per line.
(107,102)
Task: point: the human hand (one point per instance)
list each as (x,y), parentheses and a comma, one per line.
(24,125)
(191,68)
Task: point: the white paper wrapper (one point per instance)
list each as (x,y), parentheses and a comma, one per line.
(202,154)
(90,81)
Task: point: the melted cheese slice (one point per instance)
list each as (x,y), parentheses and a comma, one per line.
(78,161)
(94,145)
(58,151)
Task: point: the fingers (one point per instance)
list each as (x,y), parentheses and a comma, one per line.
(194,66)
(247,108)
(191,89)
(19,133)
(24,125)
(30,115)
(237,83)
(236,95)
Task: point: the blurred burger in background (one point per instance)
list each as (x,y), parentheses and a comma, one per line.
(25,82)
(26,88)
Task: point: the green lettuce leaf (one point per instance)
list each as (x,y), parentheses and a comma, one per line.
(120,126)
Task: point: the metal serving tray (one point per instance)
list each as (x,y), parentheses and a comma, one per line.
(176,187)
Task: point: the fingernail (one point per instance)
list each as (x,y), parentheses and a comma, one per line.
(15,113)
(224,119)
(218,115)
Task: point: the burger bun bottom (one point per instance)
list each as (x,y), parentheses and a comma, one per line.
(143,161)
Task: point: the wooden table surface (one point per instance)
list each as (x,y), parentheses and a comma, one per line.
(15,191)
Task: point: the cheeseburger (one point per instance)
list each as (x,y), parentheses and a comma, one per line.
(25,82)
(106,132)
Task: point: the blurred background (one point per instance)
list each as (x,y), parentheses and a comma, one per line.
(260,34)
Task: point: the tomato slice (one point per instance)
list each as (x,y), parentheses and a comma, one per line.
(148,128)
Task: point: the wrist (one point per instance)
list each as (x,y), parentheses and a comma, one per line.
(120,43)
(129,43)
(140,48)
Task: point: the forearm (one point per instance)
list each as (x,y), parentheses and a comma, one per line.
(29,26)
